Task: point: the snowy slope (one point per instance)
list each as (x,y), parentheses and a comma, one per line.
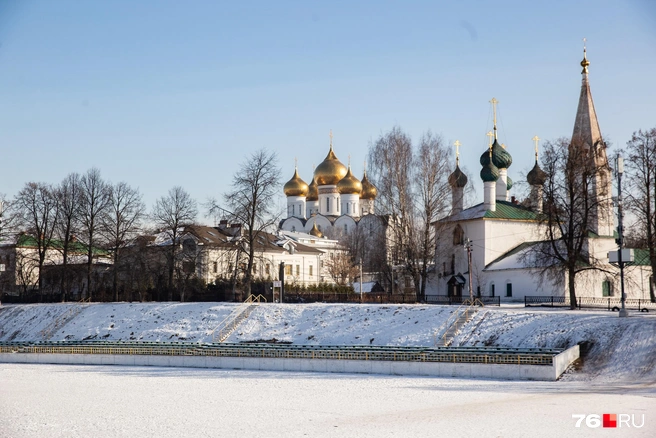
(614,349)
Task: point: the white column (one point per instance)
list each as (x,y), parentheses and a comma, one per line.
(502,185)
(490,202)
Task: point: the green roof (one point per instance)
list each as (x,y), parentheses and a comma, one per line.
(508,210)
(25,240)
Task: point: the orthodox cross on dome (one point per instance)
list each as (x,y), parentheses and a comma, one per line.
(349,160)
(536,139)
(457,145)
(489,136)
(494,111)
(331,139)
(295,163)
(585,63)
(503,145)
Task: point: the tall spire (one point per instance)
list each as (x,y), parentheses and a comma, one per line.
(586,127)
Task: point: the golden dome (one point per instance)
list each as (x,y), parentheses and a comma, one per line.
(349,185)
(330,171)
(296,186)
(369,191)
(315,231)
(313,192)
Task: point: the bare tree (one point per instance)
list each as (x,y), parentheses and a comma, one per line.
(641,167)
(94,201)
(68,197)
(341,267)
(38,210)
(432,192)
(572,199)
(251,202)
(172,212)
(120,223)
(413,191)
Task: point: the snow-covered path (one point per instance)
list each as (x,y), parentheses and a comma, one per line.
(74,401)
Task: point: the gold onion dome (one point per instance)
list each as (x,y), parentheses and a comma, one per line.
(500,157)
(349,185)
(296,186)
(315,231)
(330,171)
(369,191)
(313,192)
(458,178)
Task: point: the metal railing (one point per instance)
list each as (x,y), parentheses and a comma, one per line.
(609,303)
(456,321)
(483,355)
(230,323)
(446,299)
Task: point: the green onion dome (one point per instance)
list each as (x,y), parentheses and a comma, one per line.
(500,157)
(489,173)
(509,183)
(458,178)
(537,176)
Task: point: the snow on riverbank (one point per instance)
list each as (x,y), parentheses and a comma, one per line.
(615,349)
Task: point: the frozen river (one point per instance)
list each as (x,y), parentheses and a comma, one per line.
(101,401)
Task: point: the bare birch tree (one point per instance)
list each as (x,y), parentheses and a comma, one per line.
(172,212)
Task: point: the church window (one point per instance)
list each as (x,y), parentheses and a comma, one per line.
(458,235)
(254,268)
(288,269)
(345,228)
(606,289)
(492,290)
(347,208)
(509,289)
(310,270)
(328,204)
(267,269)
(215,267)
(294,228)
(298,270)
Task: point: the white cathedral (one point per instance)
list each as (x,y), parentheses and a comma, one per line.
(502,230)
(334,203)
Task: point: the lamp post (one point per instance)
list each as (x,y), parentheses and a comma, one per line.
(620,232)
(468,247)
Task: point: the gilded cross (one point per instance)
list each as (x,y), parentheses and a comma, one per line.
(494,102)
(490,135)
(536,139)
(457,145)
(331,139)
(295,163)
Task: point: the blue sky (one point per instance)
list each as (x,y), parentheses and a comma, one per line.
(164,93)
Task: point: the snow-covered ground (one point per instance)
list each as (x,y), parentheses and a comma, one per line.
(99,401)
(615,349)
(618,375)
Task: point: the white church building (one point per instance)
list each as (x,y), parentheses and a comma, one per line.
(501,230)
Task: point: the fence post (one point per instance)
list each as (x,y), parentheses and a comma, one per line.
(552,301)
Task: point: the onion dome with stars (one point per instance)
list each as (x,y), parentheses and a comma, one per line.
(349,185)
(331,170)
(296,186)
(369,191)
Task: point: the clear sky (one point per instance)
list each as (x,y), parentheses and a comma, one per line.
(163,93)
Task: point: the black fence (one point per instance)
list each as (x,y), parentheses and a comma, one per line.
(608,303)
(445,299)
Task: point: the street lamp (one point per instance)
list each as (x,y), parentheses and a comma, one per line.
(620,232)
(469,246)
